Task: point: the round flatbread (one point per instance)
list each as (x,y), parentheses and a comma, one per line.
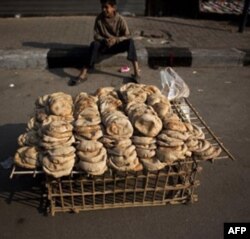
(84,98)
(33,124)
(56,125)
(202,146)
(152,164)
(176,126)
(27,157)
(135,95)
(111,142)
(143,140)
(146,146)
(30,138)
(162,109)
(93,157)
(132,92)
(152,90)
(170,154)
(169,141)
(89,120)
(212,154)
(148,125)
(57,144)
(61,159)
(133,166)
(42,101)
(109,104)
(197,132)
(104,91)
(89,145)
(127,155)
(58,174)
(145,153)
(93,168)
(176,134)
(120,127)
(90,132)
(50,139)
(62,151)
(192,144)
(108,117)
(53,167)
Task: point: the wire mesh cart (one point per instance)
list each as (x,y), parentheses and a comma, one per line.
(175,184)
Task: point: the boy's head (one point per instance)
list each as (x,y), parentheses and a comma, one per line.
(108,7)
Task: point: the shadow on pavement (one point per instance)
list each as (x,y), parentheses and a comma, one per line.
(25,190)
(62,56)
(8,139)
(22,189)
(66,73)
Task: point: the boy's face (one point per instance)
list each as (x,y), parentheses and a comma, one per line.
(108,10)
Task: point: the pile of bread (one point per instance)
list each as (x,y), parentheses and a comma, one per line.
(117,132)
(88,130)
(49,138)
(125,130)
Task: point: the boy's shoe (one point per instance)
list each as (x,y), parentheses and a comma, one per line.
(76,81)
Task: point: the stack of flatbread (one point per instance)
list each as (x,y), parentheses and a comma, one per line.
(145,121)
(146,152)
(29,154)
(118,131)
(55,133)
(56,141)
(147,125)
(58,162)
(88,130)
(199,146)
(49,136)
(160,104)
(92,156)
(132,92)
(87,123)
(179,140)
(54,112)
(122,129)
(31,137)
(171,140)
(56,104)
(27,157)
(142,116)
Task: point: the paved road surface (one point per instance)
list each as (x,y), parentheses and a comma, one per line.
(222,98)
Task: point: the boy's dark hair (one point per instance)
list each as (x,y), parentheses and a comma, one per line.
(110,2)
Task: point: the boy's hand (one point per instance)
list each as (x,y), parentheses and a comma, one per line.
(111,41)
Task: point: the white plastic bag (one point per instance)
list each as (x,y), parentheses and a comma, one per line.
(173,86)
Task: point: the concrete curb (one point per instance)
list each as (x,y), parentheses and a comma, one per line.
(199,57)
(153,57)
(217,58)
(21,59)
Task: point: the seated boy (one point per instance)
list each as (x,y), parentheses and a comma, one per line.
(111,36)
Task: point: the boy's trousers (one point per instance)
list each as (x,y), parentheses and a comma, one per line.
(99,47)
